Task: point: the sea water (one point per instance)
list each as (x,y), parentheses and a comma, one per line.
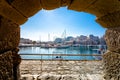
(71,50)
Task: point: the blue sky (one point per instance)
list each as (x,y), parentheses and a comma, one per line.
(54,22)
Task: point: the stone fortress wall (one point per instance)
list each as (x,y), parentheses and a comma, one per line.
(14,13)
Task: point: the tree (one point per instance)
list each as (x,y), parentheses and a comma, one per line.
(34,42)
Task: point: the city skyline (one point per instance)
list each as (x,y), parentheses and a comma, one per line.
(65,38)
(51,24)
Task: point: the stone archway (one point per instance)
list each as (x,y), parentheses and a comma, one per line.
(16,12)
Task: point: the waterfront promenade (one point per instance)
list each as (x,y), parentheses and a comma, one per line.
(61,70)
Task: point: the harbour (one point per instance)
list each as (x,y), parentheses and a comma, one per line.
(69,53)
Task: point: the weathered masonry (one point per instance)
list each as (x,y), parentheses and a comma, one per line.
(13,13)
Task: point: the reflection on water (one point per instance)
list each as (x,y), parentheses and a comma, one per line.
(70,50)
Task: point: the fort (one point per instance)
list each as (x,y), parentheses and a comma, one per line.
(14,13)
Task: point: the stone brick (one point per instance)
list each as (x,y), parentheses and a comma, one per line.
(9,12)
(16,61)
(52,4)
(49,5)
(110,20)
(9,35)
(9,65)
(27,7)
(6,66)
(65,2)
(16,57)
(111,62)
(112,38)
(103,7)
(107,15)
(80,5)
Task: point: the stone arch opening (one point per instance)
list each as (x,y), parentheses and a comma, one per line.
(58,20)
(63,64)
(15,12)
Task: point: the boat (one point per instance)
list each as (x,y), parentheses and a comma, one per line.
(76,45)
(62,46)
(25,45)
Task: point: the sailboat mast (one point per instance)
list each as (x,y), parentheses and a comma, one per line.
(48,37)
(65,34)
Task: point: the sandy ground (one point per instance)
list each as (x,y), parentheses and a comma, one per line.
(65,70)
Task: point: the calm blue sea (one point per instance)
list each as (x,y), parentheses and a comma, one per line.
(70,50)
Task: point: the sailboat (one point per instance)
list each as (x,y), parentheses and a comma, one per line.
(63,45)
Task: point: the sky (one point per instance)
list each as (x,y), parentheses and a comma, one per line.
(46,25)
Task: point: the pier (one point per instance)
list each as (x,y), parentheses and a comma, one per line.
(61,68)
(71,70)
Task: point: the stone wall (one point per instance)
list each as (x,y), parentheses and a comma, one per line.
(112,66)
(9,35)
(6,66)
(9,40)
(111,59)
(112,38)
(16,12)
(9,65)
(20,10)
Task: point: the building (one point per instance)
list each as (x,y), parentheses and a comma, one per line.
(25,41)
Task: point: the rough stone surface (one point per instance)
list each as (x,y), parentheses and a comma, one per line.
(6,66)
(80,5)
(16,61)
(9,12)
(112,38)
(17,12)
(65,2)
(96,7)
(9,65)
(58,77)
(63,77)
(110,20)
(61,70)
(103,7)
(9,40)
(60,67)
(46,4)
(107,14)
(27,7)
(111,62)
(9,35)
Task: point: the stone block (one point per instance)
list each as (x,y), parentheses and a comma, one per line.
(69,78)
(49,5)
(27,78)
(6,66)
(107,14)
(65,2)
(12,14)
(46,77)
(110,20)
(27,7)
(112,38)
(103,7)
(9,35)
(111,62)
(80,5)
